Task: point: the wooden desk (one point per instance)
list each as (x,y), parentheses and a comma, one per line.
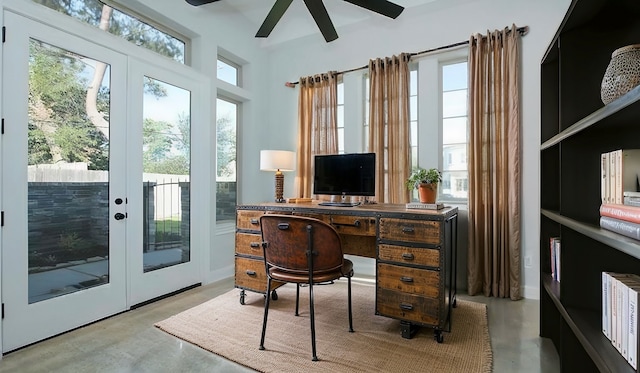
(415,252)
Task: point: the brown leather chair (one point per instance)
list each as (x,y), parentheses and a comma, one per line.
(302,250)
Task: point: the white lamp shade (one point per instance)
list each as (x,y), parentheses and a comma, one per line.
(274,160)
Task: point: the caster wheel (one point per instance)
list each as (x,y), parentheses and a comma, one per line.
(274,295)
(455,302)
(242,295)
(437,335)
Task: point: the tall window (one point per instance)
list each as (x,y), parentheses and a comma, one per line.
(226,180)
(340,113)
(122,24)
(455,184)
(413,114)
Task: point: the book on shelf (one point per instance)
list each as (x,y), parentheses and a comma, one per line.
(606,304)
(619,174)
(620,313)
(554,255)
(633,339)
(605,185)
(621,212)
(631,201)
(623,227)
(425,206)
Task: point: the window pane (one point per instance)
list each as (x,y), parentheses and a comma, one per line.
(454,103)
(123,25)
(454,130)
(226,186)
(166,144)
(413,82)
(454,76)
(454,133)
(413,108)
(227,72)
(68,174)
(455,157)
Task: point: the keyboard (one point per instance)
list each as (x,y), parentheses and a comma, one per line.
(340,204)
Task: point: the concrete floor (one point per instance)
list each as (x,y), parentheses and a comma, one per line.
(129,342)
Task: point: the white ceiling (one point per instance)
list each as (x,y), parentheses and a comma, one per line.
(297,22)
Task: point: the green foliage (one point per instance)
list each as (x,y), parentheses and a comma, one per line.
(423,176)
(59,127)
(120,24)
(226,147)
(39,150)
(160,145)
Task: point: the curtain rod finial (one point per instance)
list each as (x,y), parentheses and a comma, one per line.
(290,84)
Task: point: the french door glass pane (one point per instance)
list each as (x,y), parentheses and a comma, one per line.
(166,170)
(68,172)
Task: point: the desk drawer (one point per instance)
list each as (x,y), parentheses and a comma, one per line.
(418,231)
(248,219)
(407,307)
(422,282)
(354,225)
(249,244)
(409,255)
(250,274)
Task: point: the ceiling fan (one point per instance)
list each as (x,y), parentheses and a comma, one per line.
(319,13)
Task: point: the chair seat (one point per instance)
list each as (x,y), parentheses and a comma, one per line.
(286,276)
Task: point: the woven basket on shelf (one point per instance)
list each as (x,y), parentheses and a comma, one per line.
(622,74)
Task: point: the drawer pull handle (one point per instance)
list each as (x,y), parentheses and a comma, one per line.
(255,221)
(254,244)
(407,256)
(406,279)
(251,273)
(356,224)
(406,306)
(407,230)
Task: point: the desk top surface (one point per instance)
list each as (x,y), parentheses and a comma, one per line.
(361,210)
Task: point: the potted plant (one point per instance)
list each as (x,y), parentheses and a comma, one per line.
(426,181)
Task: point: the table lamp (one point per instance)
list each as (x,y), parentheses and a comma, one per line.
(278,161)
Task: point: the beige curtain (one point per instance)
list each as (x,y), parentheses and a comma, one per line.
(389,126)
(494,165)
(317,126)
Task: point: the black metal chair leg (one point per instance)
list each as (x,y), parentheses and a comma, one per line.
(349,296)
(266,312)
(313,323)
(297,298)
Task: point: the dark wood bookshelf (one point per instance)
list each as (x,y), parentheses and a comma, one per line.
(576,128)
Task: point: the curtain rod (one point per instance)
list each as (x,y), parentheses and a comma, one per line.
(521,30)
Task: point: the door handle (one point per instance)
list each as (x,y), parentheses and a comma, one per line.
(119,216)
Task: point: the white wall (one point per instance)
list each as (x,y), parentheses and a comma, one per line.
(416,30)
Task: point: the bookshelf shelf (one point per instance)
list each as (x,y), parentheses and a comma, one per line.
(585,325)
(576,128)
(596,117)
(619,242)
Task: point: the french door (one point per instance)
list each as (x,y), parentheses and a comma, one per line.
(96,185)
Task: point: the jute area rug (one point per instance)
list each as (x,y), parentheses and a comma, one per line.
(231,330)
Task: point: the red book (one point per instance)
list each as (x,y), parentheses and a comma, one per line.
(622,212)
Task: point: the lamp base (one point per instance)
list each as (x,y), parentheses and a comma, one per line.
(279,187)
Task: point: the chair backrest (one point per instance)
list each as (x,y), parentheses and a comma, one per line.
(287,238)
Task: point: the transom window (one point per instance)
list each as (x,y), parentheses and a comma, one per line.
(125,25)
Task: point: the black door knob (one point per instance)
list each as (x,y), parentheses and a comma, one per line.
(119,216)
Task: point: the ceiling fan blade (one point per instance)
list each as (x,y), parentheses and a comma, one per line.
(320,15)
(384,7)
(200,2)
(273,17)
